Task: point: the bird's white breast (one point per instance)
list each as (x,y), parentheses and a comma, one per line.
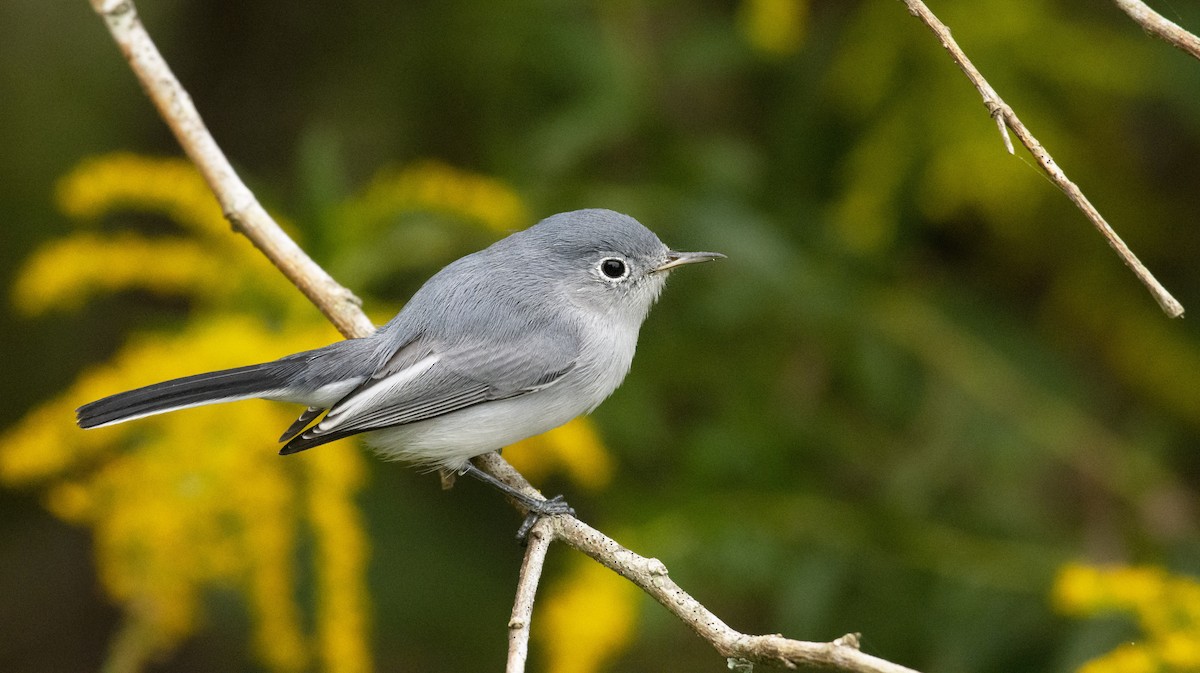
(609,342)
(449,441)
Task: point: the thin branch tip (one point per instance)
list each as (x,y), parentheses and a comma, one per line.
(1169,304)
(1159,26)
(1006,118)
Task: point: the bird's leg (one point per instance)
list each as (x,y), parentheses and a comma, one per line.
(537,507)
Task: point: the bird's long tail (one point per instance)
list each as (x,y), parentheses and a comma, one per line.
(227,385)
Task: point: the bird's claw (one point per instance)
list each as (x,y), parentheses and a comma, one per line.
(555,506)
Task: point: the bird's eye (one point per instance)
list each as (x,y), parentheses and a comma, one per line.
(613,268)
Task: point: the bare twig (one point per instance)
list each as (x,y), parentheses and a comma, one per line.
(1007,119)
(650,575)
(767,650)
(239,205)
(538,541)
(1161,27)
(338,305)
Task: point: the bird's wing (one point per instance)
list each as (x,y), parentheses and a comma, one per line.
(425,379)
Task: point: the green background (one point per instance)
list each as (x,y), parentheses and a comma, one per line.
(920,383)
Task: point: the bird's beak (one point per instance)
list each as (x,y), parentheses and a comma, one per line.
(675,259)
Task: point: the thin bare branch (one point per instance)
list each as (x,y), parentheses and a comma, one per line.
(242,210)
(1161,27)
(651,576)
(538,543)
(1007,119)
(339,305)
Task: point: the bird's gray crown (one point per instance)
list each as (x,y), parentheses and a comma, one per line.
(581,233)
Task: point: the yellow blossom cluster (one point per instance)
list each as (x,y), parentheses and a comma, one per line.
(574,448)
(193,499)
(586,619)
(205,264)
(198,499)
(124,181)
(434,186)
(63,274)
(341,557)
(1166,607)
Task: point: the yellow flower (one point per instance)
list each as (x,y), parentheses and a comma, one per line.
(1167,608)
(184,501)
(1124,659)
(1076,589)
(573,448)
(1135,586)
(198,499)
(334,475)
(436,187)
(63,274)
(129,181)
(1180,650)
(586,619)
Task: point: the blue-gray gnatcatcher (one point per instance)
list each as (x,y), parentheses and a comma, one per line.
(498,346)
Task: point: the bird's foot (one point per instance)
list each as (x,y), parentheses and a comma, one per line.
(539,508)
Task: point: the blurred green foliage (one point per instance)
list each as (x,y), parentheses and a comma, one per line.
(919,386)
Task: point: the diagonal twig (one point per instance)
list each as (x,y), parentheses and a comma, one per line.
(1161,27)
(242,210)
(651,576)
(1007,119)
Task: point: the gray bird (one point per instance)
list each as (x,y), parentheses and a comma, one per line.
(498,346)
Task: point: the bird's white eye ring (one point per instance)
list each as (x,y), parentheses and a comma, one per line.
(613,268)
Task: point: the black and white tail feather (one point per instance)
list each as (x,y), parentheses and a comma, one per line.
(240,383)
(318,378)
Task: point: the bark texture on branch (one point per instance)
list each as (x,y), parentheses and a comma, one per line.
(1006,119)
(652,577)
(243,211)
(1161,27)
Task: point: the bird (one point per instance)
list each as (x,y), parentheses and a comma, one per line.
(500,345)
